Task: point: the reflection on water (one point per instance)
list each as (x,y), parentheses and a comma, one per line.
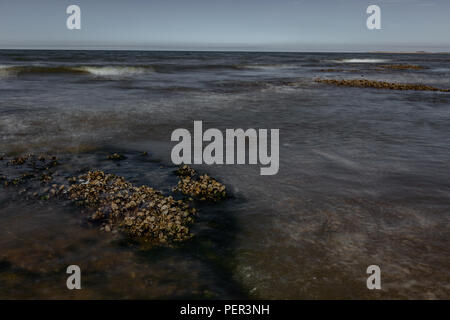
(364,175)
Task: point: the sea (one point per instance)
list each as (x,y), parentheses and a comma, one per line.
(364,174)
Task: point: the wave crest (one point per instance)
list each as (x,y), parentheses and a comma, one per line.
(116,70)
(93,70)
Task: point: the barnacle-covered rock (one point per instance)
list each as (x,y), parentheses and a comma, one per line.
(35,162)
(142,212)
(203,188)
(18,161)
(380,85)
(185,171)
(401,67)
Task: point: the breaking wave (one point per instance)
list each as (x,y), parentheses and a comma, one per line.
(93,70)
(116,71)
(129,70)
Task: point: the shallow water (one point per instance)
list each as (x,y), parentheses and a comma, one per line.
(364,174)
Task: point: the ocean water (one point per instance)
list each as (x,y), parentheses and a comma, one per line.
(364,174)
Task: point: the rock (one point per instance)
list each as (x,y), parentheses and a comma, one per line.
(361,83)
(141,212)
(203,188)
(116,156)
(185,171)
(19,161)
(401,67)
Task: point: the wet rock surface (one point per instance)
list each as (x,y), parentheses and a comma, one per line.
(200,187)
(142,212)
(185,171)
(402,67)
(360,83)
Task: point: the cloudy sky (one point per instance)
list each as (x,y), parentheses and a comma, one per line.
(272,25)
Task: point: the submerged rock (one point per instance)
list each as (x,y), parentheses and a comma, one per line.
(380,85)
(35,162)
(19,160)
(116,156)
(402,67)
(28,167)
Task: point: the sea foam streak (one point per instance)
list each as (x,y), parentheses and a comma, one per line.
(362,60)
(115,70)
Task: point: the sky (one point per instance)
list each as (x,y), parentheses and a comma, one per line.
(249,25)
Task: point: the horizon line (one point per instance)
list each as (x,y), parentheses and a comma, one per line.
(228,50)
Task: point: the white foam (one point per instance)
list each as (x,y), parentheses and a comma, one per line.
(115,70)
(362,60)
(5,71)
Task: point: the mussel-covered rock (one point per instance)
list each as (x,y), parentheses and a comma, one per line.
(401,67)
(142,212)
(203,187)
(185,171)
(380,85)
